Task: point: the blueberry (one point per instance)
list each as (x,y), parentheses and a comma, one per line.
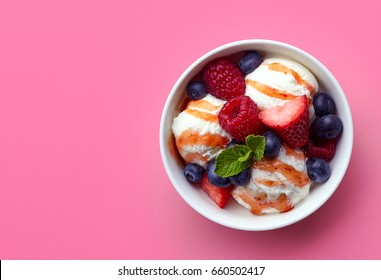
(242,178)
(272,146)
(250,61)
(193,172)
(323,104)
(213,178)
(196,90)
(232,143)
(318,170)
(328,126)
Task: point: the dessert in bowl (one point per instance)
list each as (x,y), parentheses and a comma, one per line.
(256,135)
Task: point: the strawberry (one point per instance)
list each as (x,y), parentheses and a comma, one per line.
(219,195)
(320,148)
(239,117)
(223,79)
(290,121)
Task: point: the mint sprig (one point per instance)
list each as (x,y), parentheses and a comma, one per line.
(234,160)
(257,144)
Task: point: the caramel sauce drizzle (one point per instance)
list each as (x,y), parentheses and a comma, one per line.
(280,94)
(204,105)
(297,178)
(203,109)
(270,91)
(194,157)
(282,68)
(202,115)
(270,183)
(206,111)
(298,154)
(191,137)
(259,201)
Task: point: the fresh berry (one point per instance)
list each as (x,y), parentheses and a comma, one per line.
(196,90)
(239,117)
(318,170)
(290,121)
(320,148)
(231,143)
(323,104)
(242,178)
(214,178)
(193,172)
(223,79)
(219,195)
(250,61)
(273,144)
(328,126)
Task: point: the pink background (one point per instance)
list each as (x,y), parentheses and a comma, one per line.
(82,87)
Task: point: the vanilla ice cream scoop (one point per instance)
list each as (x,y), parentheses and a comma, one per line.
(277,80)
(198,135)
(276,185)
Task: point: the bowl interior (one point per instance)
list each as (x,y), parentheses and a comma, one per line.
(234,215)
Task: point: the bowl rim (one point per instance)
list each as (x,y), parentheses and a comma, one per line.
(349,130)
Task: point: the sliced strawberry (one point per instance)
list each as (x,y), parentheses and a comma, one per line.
(219,195)
(290,121)
(320,148)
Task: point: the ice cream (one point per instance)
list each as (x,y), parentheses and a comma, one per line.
(277,80)
(276,185)
(199,136)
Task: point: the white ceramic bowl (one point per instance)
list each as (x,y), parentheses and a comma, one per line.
(234,215)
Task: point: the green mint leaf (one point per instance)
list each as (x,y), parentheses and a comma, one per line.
(233,160)
(257,144)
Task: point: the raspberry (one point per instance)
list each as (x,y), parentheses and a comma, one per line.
(223,79)
(320,148)
(239,117)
